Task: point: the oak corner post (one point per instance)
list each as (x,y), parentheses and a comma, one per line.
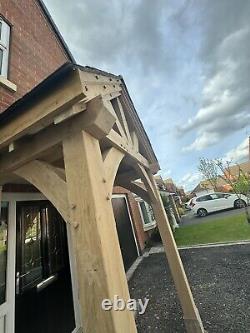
(191,314)
(100,268)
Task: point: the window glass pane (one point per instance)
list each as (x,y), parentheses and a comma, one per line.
(55,234)
(144,213)
(31,270)
(1,60)
(3,248)
(150,212)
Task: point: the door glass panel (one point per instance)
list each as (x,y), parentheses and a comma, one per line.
(31,269)
(55,237)
(3,248)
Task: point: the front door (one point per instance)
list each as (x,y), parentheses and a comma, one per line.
(44,302)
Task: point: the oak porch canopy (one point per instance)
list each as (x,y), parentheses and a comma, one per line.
(74,137)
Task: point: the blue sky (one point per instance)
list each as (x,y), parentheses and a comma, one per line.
(187,67)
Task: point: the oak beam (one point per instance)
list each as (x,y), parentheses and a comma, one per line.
(136,188)
(191,314)
(120,143)
(41,114)
(47,180)
(96,119)
(145,177)
(99,262)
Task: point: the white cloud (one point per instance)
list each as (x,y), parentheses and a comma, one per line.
(238,154)
(225,96)
(190,180)
(165,173)
(204,140)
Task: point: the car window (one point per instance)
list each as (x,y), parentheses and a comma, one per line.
(204,198)
(217,196)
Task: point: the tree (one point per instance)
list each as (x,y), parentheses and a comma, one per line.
(239,183)
(209,171)
(213,170)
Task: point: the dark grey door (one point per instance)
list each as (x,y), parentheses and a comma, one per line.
(44,302)
(125,232)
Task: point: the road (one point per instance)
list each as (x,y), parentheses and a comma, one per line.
(189,218)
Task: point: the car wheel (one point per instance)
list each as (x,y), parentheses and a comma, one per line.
(202,212)
(239,203)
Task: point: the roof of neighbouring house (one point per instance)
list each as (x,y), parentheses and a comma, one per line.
(244,166)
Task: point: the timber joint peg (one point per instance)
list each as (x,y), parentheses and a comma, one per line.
(76,225)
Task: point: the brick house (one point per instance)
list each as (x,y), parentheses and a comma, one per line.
(31,49)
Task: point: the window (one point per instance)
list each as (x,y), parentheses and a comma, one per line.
(4,47)
(147,215)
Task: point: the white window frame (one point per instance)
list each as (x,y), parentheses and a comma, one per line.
(5,46)
(152,224)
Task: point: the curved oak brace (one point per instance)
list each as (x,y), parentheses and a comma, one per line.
(111,160)
(136,188)
(49,181)
(149,184)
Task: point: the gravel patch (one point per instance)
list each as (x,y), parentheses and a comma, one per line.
(219,278)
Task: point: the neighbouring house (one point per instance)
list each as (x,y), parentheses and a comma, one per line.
(170,199)
(223,185)
(244,167)
(71,148)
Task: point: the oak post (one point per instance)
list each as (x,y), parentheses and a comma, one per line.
(100,269)
(191,314)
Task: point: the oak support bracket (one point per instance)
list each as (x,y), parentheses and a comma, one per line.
(49,181)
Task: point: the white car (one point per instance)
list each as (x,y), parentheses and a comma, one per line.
(216,201)
(188,204)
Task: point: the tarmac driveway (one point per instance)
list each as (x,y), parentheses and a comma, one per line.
(189,217)
(219,278)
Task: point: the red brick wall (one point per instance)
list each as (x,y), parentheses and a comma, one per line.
(141,235)
(35,51)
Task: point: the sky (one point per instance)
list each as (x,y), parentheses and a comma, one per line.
(186,64)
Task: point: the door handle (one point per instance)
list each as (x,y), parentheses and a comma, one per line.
(45,283)
(17,283)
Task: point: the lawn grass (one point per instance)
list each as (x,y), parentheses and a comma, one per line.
(226,229)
